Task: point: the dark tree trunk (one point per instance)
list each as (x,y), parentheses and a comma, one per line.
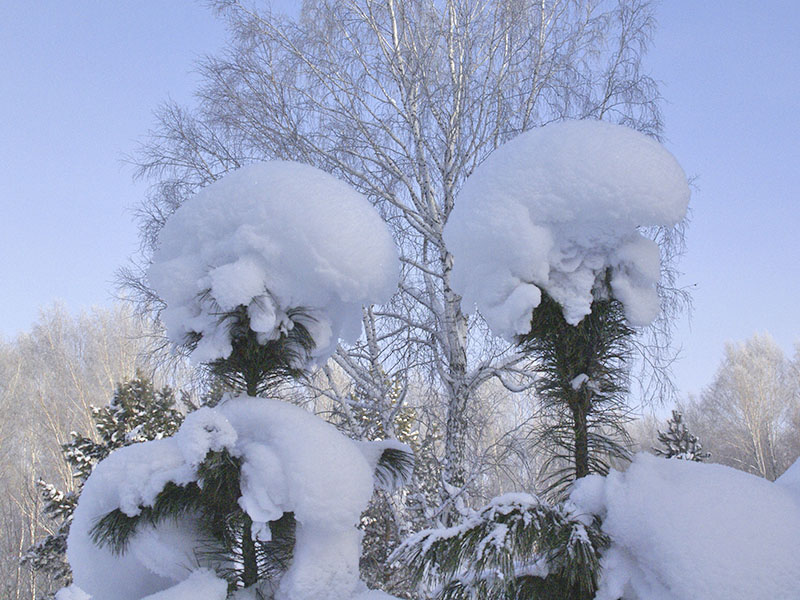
(579,426)
(249,559)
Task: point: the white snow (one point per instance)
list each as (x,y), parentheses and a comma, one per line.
(683,529)
(292,462)
(552,210)
(272,237)
(200,585)
(579,381)
(72,592)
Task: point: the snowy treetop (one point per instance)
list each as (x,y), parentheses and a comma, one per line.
(554,209)
(272,237)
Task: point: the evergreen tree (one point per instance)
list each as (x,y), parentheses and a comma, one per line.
(254,366)
(678,442)
(137,413)
(517,547)
(583,380)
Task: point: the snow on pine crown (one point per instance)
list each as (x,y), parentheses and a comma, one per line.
(272,237)
(556,208)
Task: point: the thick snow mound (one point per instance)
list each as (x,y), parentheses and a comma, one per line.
(552,210)
(683,529)
(292,461)
(272,237)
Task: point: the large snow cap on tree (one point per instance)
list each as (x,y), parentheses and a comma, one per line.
(682,529)
(552,210)
(292,461)
(272,237)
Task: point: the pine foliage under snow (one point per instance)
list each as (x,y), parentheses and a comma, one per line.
(515,547)
(684,529)
(290,462)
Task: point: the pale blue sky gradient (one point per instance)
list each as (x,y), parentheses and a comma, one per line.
(79,81)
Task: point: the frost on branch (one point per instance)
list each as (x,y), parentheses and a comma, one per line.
(267,247)
(555,210)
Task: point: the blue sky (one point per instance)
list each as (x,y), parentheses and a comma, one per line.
(79,82)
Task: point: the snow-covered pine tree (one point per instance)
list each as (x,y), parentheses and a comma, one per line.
(253,366)
(564,270)
(678,443)
(137,412)
(261,276)
(517,547)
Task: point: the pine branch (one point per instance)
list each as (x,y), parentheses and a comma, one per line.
(516,542)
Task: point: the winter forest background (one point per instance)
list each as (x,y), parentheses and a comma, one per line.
(460,397)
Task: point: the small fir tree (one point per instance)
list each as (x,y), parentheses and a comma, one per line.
(678,443)
(137,413)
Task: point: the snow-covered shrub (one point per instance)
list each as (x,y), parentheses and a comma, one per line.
(685,529)
(290,462)
(517,546)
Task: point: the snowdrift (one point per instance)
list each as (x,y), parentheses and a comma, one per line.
(683,529)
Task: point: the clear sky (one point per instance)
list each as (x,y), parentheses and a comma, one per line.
(79,82)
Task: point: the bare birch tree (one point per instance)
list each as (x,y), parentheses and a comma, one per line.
(747,417)
(50,377)
(402,99)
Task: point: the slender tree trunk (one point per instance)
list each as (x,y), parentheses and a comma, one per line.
(579,426)
(249,559)
(455,326)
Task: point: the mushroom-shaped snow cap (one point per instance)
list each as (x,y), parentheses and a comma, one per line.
(554,210)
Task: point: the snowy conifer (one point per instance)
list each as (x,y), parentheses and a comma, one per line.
(678,443)
(550,243)
(262,273)
(517,547)
(137,412)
